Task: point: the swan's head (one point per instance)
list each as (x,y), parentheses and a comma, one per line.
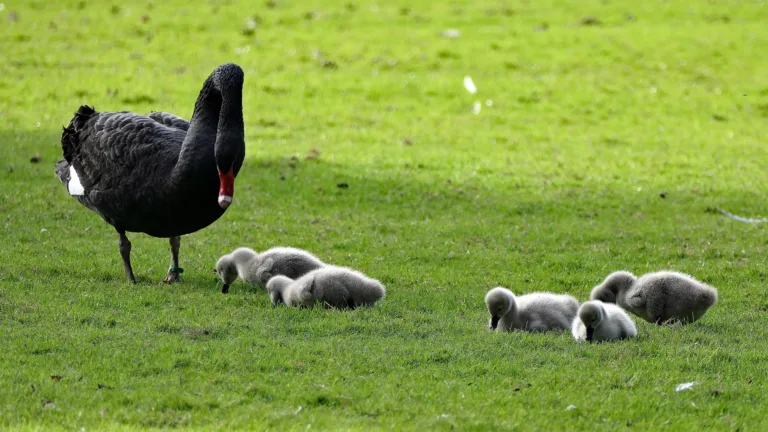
(591,313)
(499,302)
(227,271)
(615,283)
(276,286)
(229,149)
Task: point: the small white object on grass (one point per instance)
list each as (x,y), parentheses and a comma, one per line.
(476,108)
(740,218)
(243,50)
(469,85)
(451,34)
(570,407)
(685,386)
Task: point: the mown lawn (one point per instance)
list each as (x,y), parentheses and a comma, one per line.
(609,131)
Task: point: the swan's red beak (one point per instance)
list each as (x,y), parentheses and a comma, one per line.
(226,188)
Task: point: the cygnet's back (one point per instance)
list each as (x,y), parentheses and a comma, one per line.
(666,296)
(545,311)
(286,261)
(337,287)
(341,287)
(598,321)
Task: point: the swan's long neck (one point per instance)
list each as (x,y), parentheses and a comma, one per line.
(197,150)
(216,131)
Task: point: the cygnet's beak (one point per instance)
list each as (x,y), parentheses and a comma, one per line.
(494,322)
(590,334)
(224,289)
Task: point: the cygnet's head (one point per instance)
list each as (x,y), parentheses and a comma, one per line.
(499,302)
(591,313)
(275,288)
(307,295)
(612,285)
(227,271)
(243,254)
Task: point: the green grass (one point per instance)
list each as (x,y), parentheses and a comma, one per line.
(553,186)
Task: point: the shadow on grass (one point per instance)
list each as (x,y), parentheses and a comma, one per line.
(410,190)
(114,275)
(408,209)
(29,161)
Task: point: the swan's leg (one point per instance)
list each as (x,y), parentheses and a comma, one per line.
(175,270)
(125,252)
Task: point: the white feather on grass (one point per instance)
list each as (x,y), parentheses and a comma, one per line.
(469,85)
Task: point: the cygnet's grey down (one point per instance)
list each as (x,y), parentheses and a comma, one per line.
(337,287)
(283,290)
(661,297)
(258,268)
(531,312)
(598,321)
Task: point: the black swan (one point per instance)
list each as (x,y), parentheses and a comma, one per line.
(158,174)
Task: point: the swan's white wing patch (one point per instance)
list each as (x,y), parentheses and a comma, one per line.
(74,186)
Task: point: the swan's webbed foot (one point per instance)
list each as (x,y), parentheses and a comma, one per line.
(173,275)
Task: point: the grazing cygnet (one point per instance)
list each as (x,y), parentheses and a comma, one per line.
(258,268)
(338,287)
(662,297)
(598,321)
(531,312)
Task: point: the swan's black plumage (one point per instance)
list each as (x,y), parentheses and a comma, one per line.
(157,173)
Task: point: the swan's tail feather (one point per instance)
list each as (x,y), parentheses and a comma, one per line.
(62,171)
(69,138)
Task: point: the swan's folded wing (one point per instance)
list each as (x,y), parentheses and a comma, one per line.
(170,120)
(121,149)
